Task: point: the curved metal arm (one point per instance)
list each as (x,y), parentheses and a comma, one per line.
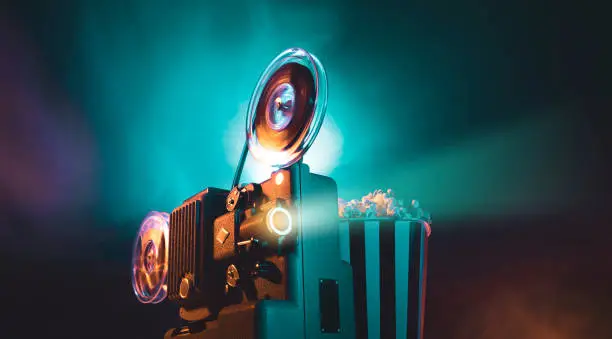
(238,174)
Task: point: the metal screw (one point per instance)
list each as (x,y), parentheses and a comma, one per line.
(184,288)
(232,276)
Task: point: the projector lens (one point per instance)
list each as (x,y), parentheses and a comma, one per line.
(279,221)
(150,259)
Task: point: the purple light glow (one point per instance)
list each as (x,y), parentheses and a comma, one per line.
(47,153)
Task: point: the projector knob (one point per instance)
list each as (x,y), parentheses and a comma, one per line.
(185,287)
(232,276)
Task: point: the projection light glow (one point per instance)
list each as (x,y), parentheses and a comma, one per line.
(323,156)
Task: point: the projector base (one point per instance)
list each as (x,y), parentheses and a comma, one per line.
(235,322)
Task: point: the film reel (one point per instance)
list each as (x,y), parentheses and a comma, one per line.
(287,108)
(150,259)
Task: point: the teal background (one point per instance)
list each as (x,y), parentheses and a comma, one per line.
(473,114)
(492,114)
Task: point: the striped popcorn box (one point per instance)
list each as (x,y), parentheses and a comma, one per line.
(387,248)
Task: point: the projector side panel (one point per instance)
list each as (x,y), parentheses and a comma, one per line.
(322,259)
(320,288)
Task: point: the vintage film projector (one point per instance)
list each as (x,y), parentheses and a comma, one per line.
(260,260)
(273,259)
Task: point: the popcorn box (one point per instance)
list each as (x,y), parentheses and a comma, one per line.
(389,259)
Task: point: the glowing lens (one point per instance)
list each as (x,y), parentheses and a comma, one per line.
(279,221)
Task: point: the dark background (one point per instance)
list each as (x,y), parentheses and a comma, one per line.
(520,246)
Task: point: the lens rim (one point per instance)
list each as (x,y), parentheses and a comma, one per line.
(295,152)
(270,221)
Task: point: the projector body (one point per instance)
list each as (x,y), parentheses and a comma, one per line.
(295,286)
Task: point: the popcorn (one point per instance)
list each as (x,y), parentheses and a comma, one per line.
(381,204)
(371,211)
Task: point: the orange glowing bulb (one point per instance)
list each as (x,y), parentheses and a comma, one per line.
(279,179)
